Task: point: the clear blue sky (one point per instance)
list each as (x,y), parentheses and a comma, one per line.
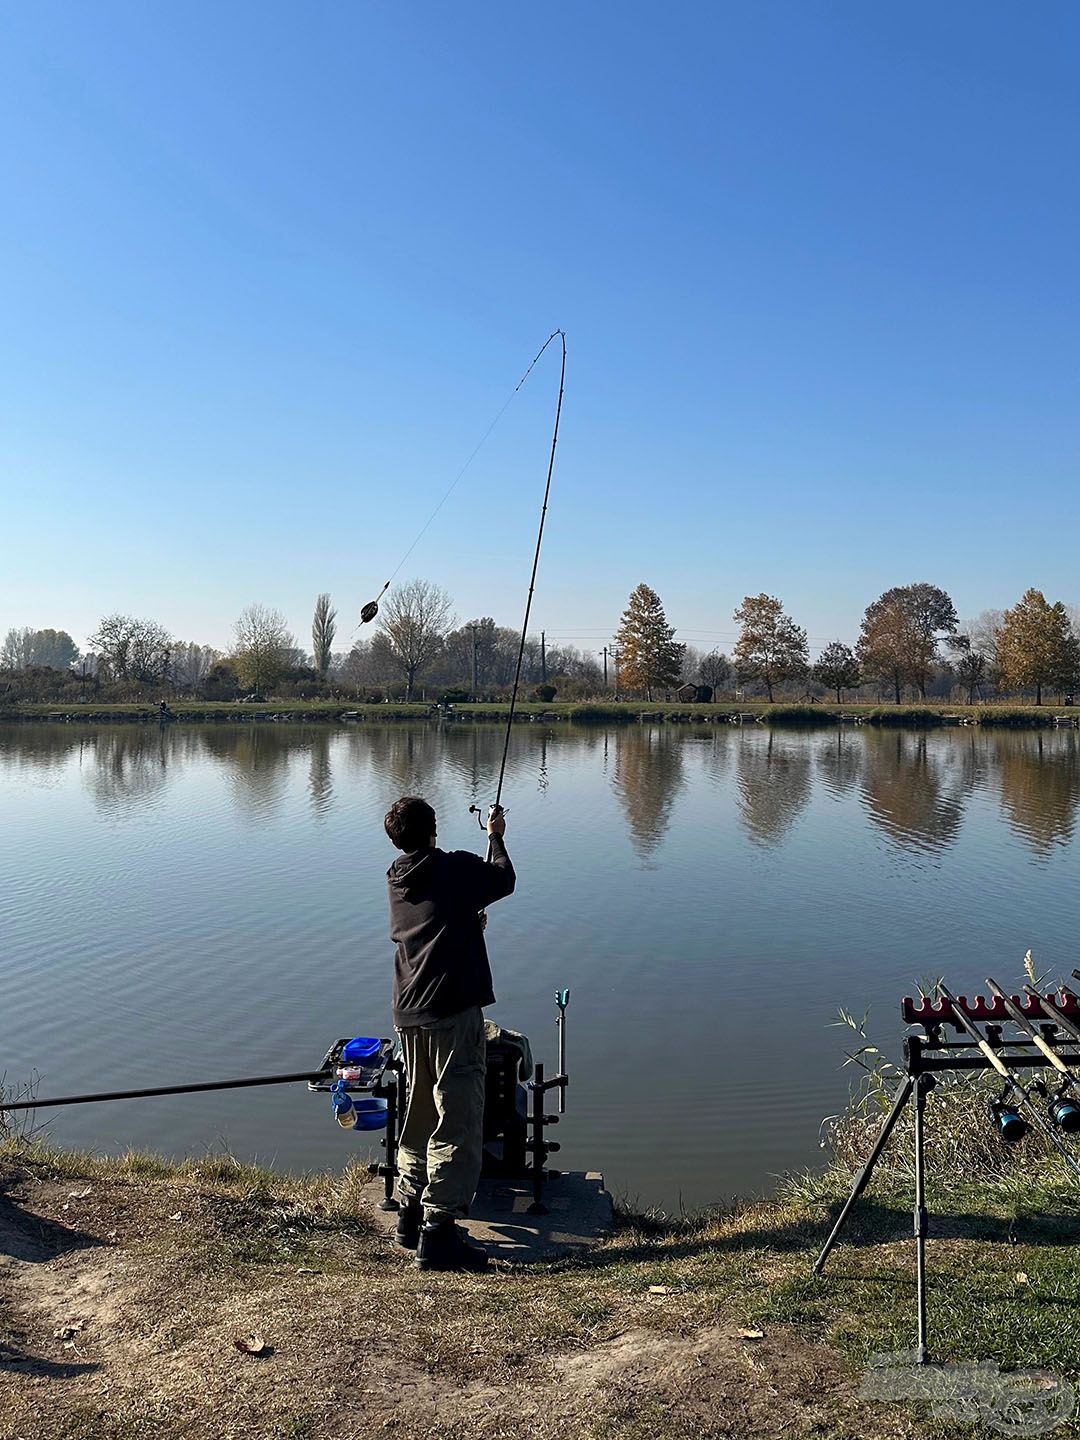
(268,270)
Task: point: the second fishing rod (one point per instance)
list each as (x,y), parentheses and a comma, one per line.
(1063,1106)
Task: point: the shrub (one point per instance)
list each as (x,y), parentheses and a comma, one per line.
(546,693)
(798,715)
(903,715)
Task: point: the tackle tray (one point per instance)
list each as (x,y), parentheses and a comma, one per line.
(372,1070)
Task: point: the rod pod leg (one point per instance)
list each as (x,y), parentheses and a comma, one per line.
(390,1170)
(863,1177)
(923,1083)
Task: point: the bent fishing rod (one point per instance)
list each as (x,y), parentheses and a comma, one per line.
(536,559)
(1012,1083)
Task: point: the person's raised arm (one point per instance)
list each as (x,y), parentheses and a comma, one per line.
(491,879)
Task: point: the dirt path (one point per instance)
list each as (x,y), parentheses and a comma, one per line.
(121,1301)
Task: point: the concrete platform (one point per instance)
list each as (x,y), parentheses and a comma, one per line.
(580,1214)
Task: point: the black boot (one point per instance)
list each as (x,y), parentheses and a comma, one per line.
(445,1246)
(409,1220)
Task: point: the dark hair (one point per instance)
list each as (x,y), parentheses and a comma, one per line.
(410,823)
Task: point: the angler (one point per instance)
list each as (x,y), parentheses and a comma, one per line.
(442,981)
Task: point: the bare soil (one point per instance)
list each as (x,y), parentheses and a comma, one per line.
(122,1296)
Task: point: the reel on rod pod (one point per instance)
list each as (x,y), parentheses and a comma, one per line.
(1061,1106)
(1006,1119)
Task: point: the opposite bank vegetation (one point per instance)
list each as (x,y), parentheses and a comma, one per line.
(920,716)
(126,1283)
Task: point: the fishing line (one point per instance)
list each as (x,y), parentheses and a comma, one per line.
(371,609)
(474,809)
(536,555)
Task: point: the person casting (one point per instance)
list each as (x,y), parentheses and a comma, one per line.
(442,981)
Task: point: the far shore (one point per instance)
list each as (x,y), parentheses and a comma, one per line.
(925,714)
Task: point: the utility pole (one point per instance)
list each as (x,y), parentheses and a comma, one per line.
(605,668)
(543,657)
(472,631)
(615,657)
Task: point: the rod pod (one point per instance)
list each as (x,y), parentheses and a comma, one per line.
(1012,1083)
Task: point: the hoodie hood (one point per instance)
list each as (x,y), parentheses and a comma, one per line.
(410,876)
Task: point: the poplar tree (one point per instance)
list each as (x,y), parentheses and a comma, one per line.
(650,658)
(323,630)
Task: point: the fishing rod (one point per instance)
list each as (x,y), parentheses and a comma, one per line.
(1012,1084)
(561,335)
(1040,1041)
(1063,1110)
(371,609)
(195,1089)
(1050,1009)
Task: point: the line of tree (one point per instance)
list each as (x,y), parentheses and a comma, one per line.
(910,643)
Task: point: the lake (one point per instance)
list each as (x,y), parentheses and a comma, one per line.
(199,902)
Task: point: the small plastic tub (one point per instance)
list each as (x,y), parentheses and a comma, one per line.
(370,1112)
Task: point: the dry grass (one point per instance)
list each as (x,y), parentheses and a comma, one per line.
(163,1265)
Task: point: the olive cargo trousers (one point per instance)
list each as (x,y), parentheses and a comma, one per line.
(442,1139)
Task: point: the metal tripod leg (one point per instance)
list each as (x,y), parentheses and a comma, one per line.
(863,1177)
(922,1084)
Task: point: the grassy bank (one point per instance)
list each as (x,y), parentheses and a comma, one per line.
(577,712)
(124,1283)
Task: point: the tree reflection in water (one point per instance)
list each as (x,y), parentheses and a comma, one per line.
(1040,788)
(320,774)
(130,767)
(256,761)
(839,762)
(774,780)
(911,793)
(648,777)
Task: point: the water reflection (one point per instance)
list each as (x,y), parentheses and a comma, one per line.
(908,792)
(129,768)
(320,775)
(1040,788)
(914,787)
(648,777)
(774,782)
(839,763)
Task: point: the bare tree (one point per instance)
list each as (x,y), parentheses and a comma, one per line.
(971,664)
(263,646)
(323,630)
(416,619)
(133,649)
(191,664)
(18,649)
(714,670)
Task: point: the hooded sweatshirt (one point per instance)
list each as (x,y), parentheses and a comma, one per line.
(441,966)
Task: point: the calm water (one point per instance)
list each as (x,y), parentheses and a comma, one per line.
(206,902)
